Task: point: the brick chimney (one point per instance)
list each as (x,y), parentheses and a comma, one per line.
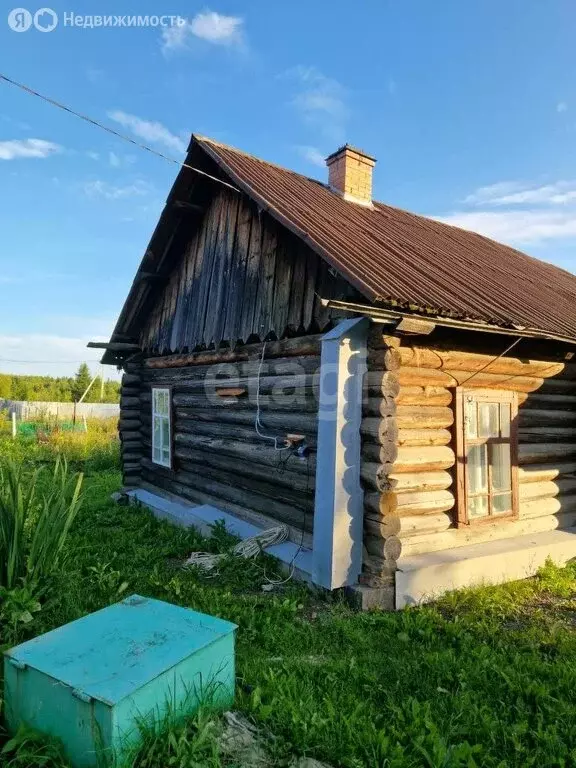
(350,174)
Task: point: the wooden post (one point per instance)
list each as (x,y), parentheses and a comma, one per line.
(338,513)
(14,430)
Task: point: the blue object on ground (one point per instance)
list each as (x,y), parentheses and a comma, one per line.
(90,683)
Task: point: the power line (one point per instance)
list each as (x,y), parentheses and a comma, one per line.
(106,128)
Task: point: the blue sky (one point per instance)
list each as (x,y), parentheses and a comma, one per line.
(470,109)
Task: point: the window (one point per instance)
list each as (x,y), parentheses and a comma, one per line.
(486,447)
(161,427)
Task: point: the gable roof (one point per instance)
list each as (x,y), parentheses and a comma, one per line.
(401,260)
(397,260)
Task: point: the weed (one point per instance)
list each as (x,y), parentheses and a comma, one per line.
(485,678)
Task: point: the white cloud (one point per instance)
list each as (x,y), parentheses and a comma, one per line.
(312,154)
(562,106)
(152,132)
(516,227)
(114,160)
(26,148)
(93,155)
(108,191)
(214,28)
(59,355)
(320,100)
(518,193)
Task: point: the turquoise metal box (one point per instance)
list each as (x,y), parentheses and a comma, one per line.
(90,683)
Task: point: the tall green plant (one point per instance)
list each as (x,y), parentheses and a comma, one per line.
(36,512)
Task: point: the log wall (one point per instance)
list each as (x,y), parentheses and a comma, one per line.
(408,457)
(218,457)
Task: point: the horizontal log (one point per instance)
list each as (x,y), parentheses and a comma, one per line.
(382,430)
(283,422)
(552,505)
(284,366)
(543,401)
(251,483)
(411,503)
(129,425)
(131,456)
(389,549)
(382,383)
(130,402)
(374,475)
(175,490)
(488,531)
(546,488)
(401,482)
(389,359)
(380,477)
(540,453)
(412,416)
(533,417)
(413,437)
(131,466)
(417,395)
(236,432)
(245,498)
(296,481)
(130,391)
(131,445)
(404,527)
(423,417)
(376,565)
(281,386)
(248,453)
(303,345)
(547,435)
(412,459)
(135,435)
(131,379)
(384,453)
(535,473)
(306,402)
(425,357)
(423,377)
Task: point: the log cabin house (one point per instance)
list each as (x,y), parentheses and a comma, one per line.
(399,392)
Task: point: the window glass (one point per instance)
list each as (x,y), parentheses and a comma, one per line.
(502,503)
(504,419)
(489,420)
(485,467)
(501,468)
(477,468)
(477,506)
(161,443)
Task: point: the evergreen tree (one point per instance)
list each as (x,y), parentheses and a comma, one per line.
(81,381)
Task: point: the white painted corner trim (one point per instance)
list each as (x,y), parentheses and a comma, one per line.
(339,502)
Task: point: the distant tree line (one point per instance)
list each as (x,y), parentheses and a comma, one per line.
(61,389)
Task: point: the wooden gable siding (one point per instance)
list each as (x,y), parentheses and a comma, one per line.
(409,460)
(241,276)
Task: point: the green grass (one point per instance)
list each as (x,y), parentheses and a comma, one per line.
(484,678)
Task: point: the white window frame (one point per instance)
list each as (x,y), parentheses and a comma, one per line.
(162,418)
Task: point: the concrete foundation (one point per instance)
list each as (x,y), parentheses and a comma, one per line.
(424,578)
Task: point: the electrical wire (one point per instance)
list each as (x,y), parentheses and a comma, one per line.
(249,548)
(258,426)
(106,128)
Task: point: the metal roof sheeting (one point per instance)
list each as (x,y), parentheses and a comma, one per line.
(400,259)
